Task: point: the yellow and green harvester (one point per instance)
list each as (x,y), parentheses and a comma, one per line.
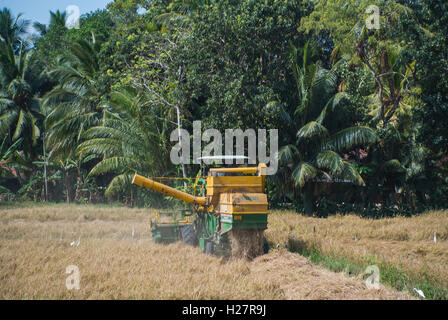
(229,219)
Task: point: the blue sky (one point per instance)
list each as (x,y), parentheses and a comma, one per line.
(39,10)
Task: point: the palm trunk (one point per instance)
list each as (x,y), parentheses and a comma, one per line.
(308,199)
(68,195)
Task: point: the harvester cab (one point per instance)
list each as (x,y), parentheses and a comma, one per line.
(229,219)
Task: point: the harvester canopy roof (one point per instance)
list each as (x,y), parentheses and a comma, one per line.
(222,157)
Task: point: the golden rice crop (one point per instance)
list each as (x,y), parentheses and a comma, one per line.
(35,250)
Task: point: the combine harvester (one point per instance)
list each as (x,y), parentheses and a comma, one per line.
(229,219)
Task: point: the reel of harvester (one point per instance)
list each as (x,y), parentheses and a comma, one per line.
(229,219)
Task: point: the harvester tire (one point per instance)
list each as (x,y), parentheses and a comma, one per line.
(189,235)
(265,246)
(209,248)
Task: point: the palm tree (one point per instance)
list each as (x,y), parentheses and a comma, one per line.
(56,19)
(395,97)
(397,161)
(22,82)
(73,104)
(133,137)
(40,28)
(12,29)
(323,135)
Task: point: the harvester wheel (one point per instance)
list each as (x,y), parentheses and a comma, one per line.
(246,243)
(209,248)
(189,235)
(265,246)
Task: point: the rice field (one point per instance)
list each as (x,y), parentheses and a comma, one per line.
(414,246)
(117,258)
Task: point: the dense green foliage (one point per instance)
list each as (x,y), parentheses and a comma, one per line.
(361,113)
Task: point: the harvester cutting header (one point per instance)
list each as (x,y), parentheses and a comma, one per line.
(229,219)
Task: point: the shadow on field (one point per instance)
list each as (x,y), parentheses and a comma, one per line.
(303,247)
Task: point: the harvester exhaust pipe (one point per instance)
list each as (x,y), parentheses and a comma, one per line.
(167,190)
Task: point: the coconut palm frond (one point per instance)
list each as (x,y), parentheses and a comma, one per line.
(349,138)
(351,174)
(330,161)
(117,184)
(303,172)
(311,130)
(288,154)
(113,164)
(99,146)
(331,105)
(74,105)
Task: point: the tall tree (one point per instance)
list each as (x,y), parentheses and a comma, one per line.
(323,134)
(378,50)
(430,47)
(235,66)
(12,29)
(133,137)
(426,32)
(57,20)
(74,102)
(22,82)
(152,53)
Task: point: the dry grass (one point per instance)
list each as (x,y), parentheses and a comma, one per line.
(35,251)
(405,243)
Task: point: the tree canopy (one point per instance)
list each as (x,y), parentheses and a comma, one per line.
(361,111)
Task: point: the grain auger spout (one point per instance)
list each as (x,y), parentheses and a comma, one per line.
(167,190)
